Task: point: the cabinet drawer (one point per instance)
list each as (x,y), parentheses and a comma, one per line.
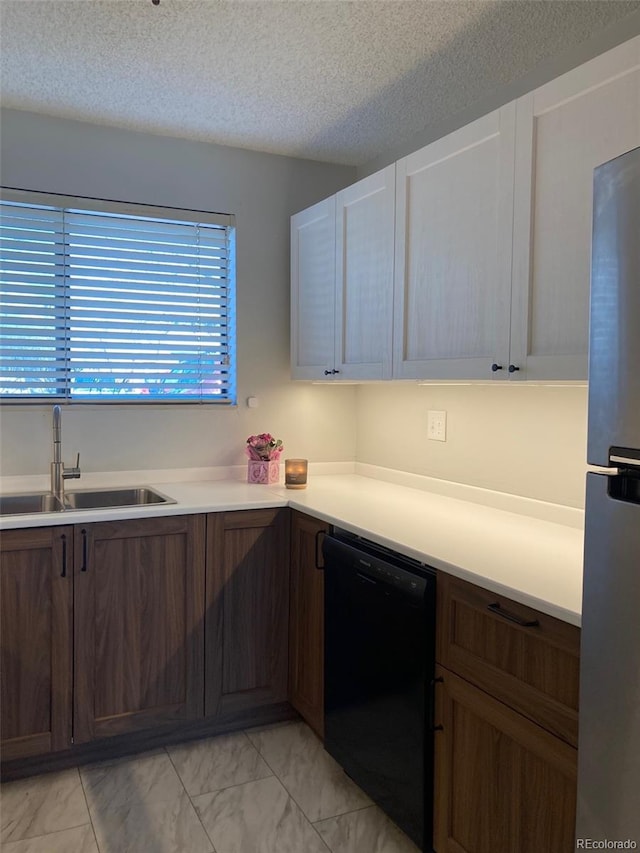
(525,658)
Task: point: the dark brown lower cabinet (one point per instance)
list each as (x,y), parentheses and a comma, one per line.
(139,624)
(36,576)
(246,611)
(306,620)
(108,620)
(503,784)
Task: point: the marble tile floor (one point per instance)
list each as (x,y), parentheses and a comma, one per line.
(265,790)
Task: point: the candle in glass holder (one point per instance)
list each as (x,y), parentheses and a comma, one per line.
(295,473)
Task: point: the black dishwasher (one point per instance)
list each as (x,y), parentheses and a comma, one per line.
(379,668)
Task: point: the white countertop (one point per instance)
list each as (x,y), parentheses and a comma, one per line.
(502,546)
(534,561)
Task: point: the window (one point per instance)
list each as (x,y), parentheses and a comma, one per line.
(103,302)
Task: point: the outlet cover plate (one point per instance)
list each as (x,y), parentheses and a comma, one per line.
(437,426)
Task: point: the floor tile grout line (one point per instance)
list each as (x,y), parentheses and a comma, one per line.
(86,801)
(29,779)
(263,779)
(289,794)
(328,817)
(144,800)
(175,770)
(302,811)
(386,817)
(189,797)
(137,756)
(343,814)
(159,752)
(224,787)
(47,834)
(235,785)
(273,775)
(279,779)
(322,841)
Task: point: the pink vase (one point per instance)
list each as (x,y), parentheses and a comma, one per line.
(266,472)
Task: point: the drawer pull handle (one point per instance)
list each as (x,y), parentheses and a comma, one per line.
(319,560)
(512,617)
(63,573)
(431,722)
(84,566)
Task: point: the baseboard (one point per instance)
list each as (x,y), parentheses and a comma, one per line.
(134,742)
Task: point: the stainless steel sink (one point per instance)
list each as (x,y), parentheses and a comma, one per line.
(20,504)
(109,498)
(82,499)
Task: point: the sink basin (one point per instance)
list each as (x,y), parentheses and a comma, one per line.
(109,498)
(83,499)
(19,504)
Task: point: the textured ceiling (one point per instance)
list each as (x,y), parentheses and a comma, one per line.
(330,80)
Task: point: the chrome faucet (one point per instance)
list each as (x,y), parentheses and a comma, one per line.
(58,471)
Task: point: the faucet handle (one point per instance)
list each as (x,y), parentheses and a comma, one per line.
(72,473)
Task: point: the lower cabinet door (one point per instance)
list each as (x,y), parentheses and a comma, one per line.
(247,611)
(503,784)
(306,620)
(36,593)
(139,624)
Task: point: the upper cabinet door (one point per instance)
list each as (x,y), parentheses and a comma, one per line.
(454,209)
(564,130)
(313,279)
(365,215)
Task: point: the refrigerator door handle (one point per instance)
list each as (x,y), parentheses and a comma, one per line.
(623,484)
(626,461)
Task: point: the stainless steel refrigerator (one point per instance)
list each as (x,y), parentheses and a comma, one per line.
(609,740)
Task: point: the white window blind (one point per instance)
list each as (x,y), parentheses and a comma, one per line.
(99,305)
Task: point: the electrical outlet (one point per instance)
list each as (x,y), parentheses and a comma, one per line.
(437,426)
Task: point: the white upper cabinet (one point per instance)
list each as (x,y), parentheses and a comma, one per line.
(454,216)
(342,283)
(491,262)
(313,287)
(365,216)
(563,131)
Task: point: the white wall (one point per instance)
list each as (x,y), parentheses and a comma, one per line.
(522,439)
(262,190)
(525,440)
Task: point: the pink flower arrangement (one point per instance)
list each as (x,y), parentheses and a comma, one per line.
(264,447)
